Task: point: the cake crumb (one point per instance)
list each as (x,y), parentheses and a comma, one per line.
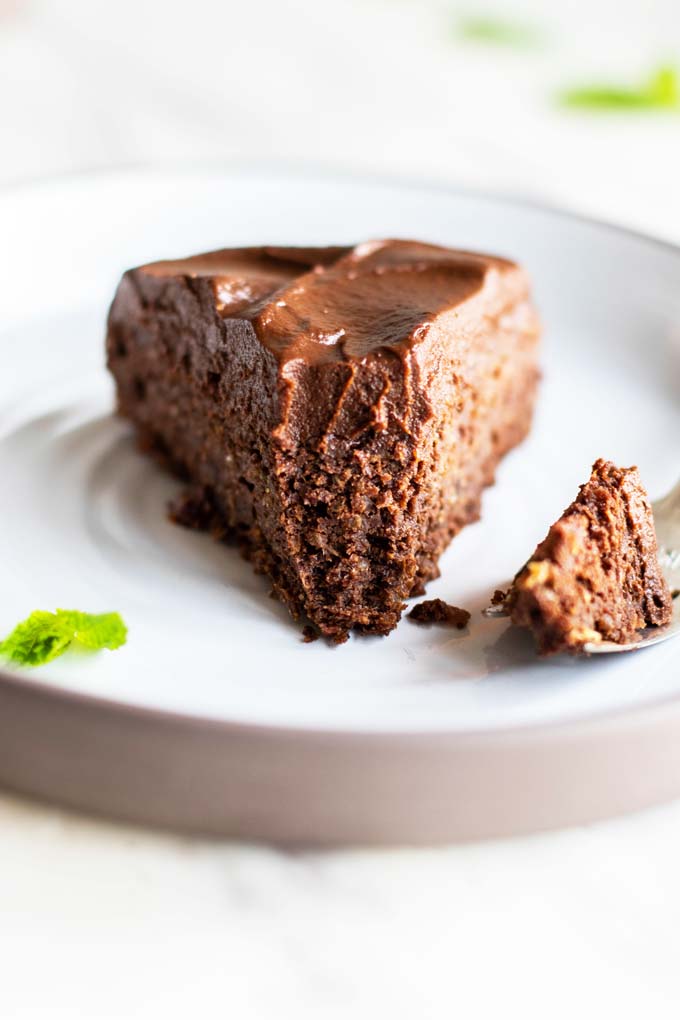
(309,634)
(498,597)
(195,509)
(438,611)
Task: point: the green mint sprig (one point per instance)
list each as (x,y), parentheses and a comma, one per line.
(661,91)
(498,32)
(44,636)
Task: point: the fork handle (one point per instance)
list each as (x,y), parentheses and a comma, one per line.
(667,522)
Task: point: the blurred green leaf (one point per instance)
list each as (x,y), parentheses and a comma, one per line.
(498,32)
(660,92)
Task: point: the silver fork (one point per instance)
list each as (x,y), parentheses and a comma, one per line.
(667,520)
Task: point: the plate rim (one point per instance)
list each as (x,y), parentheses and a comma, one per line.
(308,169)
(522,731)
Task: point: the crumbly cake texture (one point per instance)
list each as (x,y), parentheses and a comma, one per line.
(338,411)
(596,575)
(438,611)
(309,634)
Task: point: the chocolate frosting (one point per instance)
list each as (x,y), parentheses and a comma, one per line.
(342,303)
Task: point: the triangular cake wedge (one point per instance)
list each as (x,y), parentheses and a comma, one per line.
(340,410)
(596,576)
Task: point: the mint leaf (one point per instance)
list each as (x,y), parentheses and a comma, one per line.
(106,630)
(498,32)
(44,636)
(663,88)
(40,638)
(661,91)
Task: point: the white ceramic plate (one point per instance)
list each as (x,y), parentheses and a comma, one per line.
(82,518)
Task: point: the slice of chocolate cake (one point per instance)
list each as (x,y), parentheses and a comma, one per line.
(596,576)
(340,409)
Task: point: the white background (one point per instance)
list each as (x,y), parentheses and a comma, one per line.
(100,921)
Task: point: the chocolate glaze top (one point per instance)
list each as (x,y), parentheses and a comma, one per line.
(325,304)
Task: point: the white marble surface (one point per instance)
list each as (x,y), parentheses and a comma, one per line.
(100,921)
